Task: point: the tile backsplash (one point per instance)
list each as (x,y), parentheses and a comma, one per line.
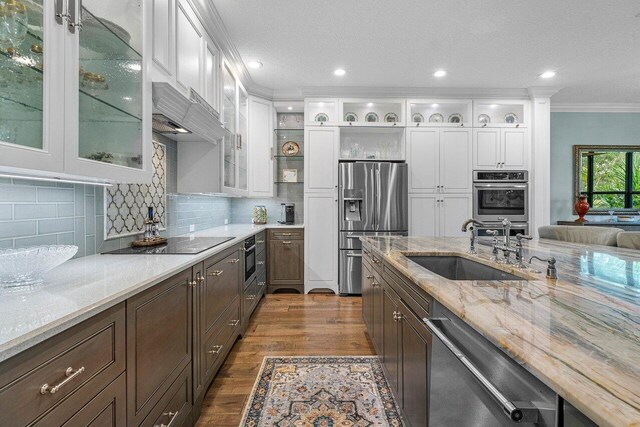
(43,213)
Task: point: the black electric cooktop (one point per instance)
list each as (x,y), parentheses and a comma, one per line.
(175,246)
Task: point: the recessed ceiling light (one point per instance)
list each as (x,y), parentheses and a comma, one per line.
(435,105)
(548,74)
(370,104)
(339,72)
(289,108)
(493,106)
(440,73)
(255,64)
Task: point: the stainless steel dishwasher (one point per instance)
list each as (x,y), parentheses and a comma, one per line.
(473,383)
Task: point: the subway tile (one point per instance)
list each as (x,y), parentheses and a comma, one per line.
(33,182)
(79,199)
(99,200)
(66,239)
(89,190)
(14,193)
(54,195)
(34,211)
(66,210)
(59,225)
(5,180)
(90,245)
(17,229)
(66,185)
(48,239)
(6,212)
(107,245)
(79,236)
(6,244)
(90,213)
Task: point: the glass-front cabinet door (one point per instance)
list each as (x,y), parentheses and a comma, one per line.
(229,99)
(31,85)
(243,139)
(111,86)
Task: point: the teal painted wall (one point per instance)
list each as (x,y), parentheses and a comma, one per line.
(569,129)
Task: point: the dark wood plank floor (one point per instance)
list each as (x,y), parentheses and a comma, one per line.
(284,325)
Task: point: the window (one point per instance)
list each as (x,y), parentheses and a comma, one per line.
(609,177)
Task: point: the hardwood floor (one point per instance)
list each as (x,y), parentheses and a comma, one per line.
(284,325)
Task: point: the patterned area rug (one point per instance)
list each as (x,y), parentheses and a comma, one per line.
(321,392)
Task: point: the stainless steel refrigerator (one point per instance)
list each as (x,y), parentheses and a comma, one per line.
(373,202)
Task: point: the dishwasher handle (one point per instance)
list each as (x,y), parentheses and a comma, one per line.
(516,414)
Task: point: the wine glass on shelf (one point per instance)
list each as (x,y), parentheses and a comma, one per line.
(611,218)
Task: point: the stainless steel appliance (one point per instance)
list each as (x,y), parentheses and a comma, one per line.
(287,213)
(472,383)
(498,195)
(249,257)
(175,246)
(373,200)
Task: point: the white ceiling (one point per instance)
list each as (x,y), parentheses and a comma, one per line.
(593,45)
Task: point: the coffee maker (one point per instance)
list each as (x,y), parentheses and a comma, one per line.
(287,213)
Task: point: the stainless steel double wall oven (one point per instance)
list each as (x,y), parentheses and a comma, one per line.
(501,194)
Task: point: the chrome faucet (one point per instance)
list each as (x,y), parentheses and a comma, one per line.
(472,233)
(519,249)
(506,246)
(494,233)
(552,271)
(506,225)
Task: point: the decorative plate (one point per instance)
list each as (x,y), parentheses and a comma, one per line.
(321,117)
(350,117)
(417,118)
(391,117)
(371,117)
(511,118)
(484,118)
(290,148)
(455,118)
(436,118)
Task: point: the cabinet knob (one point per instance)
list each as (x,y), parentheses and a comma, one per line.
(193,284)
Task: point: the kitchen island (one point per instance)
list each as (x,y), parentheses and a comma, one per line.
(579,335)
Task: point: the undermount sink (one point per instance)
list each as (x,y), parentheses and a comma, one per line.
(458,268)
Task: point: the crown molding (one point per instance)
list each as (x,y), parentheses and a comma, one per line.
(412,92)
(213,24)
(596,108)
(542,91)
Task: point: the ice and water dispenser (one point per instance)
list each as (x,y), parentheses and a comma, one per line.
(353,200)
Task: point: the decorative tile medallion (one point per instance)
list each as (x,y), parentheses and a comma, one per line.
(126,205)
(321,392)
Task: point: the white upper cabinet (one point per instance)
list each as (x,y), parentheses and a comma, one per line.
(163,47)
(321,112)
(439,160)
(500,148)
(321,159)
(261,167)
(501,113)
(211,82)
(189,50)
(371,112)
(81,104)
(439,113)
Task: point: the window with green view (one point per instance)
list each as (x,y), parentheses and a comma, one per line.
(610,178)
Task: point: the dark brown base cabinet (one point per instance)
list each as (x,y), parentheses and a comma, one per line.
(400,339)
(147,361)
(286,259)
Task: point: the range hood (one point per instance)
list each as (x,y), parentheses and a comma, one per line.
(184,119)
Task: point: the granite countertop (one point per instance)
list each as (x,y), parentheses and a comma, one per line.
(580,334)
(83,287)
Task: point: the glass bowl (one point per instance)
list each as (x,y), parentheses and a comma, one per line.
(27,266)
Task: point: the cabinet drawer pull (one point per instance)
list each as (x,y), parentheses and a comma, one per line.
(369,277)
(61,16)
(234,261)
(216,273)
(234,323)
(172,417)
(260,242)
(251,297)
(262,283)
(286,234)
(286,242)
(216,349)
(260,262)
(46,388)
